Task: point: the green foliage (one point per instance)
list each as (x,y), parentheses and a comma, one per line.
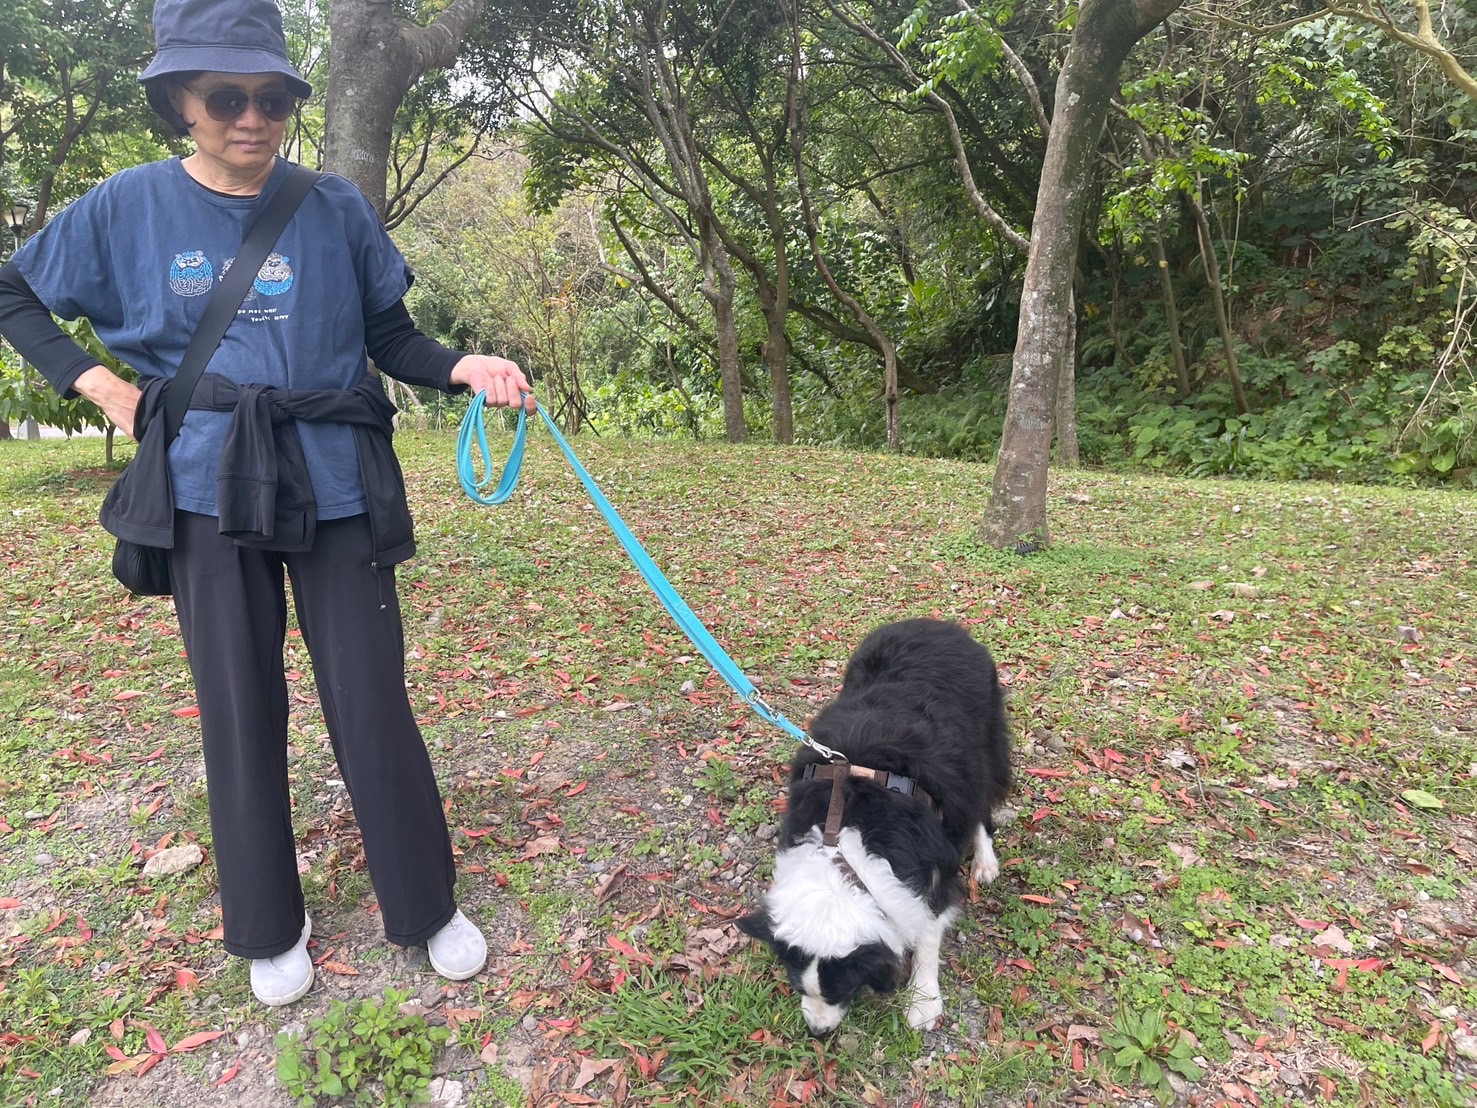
(24,393)
(367,1051)
(1145,1052)
(718,778)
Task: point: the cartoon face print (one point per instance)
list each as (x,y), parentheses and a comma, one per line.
(190,273)
(274,277)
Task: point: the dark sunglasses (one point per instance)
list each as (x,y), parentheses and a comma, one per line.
(225,104)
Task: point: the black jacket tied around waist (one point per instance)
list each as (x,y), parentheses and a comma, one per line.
(263,492)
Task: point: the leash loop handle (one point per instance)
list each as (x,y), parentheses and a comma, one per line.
(473,432)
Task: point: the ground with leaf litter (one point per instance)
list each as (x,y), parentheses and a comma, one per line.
(1237,867)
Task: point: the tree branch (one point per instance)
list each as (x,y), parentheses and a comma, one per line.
(961,157)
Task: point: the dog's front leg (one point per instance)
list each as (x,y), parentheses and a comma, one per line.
(926,1003)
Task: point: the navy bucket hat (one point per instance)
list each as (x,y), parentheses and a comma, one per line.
(221,36)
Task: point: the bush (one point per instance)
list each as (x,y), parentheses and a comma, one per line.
(368,1051)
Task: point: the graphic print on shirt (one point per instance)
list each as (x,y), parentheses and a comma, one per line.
(275,276)
(190,273)
(272,279)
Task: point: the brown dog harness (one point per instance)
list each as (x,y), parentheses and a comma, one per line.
(838,774)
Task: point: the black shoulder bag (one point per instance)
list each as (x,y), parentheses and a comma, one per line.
(144,570)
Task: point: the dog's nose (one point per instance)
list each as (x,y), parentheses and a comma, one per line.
(823,1034)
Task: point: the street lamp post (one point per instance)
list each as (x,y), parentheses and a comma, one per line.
(15,219)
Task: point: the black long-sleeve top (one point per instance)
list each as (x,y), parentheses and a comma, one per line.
(391,337)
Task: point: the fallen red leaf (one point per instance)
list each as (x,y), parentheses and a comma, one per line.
(199,1038)
(230,1073)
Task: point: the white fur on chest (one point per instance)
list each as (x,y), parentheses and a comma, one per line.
(817,907)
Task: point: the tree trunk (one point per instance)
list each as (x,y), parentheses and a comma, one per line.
(777,356)
(374,57)
(1218,299)
(1171,314)
(1015,517)
(720,288)
(1068,451)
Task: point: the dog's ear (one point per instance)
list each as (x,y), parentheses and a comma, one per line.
(757,925)
(879,967)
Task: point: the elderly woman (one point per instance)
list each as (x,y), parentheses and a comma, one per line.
(139,256)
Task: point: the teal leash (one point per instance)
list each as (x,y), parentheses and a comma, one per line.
(473,433)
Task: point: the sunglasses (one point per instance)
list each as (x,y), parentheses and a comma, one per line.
(226,104)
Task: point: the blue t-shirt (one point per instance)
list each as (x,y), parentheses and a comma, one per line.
(139,256)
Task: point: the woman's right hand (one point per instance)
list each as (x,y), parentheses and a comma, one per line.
(116,397)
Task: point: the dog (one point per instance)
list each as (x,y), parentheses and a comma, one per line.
(921,722)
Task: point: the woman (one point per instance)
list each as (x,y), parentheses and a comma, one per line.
(139,256)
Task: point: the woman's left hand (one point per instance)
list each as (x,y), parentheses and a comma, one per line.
(501,379)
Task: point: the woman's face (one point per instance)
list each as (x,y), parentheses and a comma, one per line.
(248,142)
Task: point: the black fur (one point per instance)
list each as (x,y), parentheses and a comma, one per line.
(921,698)
(873,966)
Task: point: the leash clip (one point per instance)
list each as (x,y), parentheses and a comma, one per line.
(756,702)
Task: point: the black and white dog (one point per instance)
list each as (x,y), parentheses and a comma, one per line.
(921,722)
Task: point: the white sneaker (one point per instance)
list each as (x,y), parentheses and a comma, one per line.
(458,950)
(287,976)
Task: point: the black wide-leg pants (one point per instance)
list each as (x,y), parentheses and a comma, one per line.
(232,611)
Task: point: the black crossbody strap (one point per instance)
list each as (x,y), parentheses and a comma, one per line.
(261,236)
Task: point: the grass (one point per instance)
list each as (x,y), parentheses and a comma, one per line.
(1222,695)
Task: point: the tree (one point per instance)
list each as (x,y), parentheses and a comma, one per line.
(375,56)
(70,114)
(633,114)
(1105,33)
(509,276)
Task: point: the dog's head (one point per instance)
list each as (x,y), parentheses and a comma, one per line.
(827,984)
(827,931)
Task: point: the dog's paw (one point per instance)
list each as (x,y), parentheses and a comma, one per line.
(986,868)
(925,1012)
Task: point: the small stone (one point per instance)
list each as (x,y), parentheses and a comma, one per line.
(1005,816)
(1290,1078)
(1408,633)
(44,860)
(766,831)
(1244,590)
(80,1037)
(1201,586)
(446,1092)
(1465,1044)
(174,859)
(688,686)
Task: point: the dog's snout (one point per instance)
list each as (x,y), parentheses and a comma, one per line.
(821,1018)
